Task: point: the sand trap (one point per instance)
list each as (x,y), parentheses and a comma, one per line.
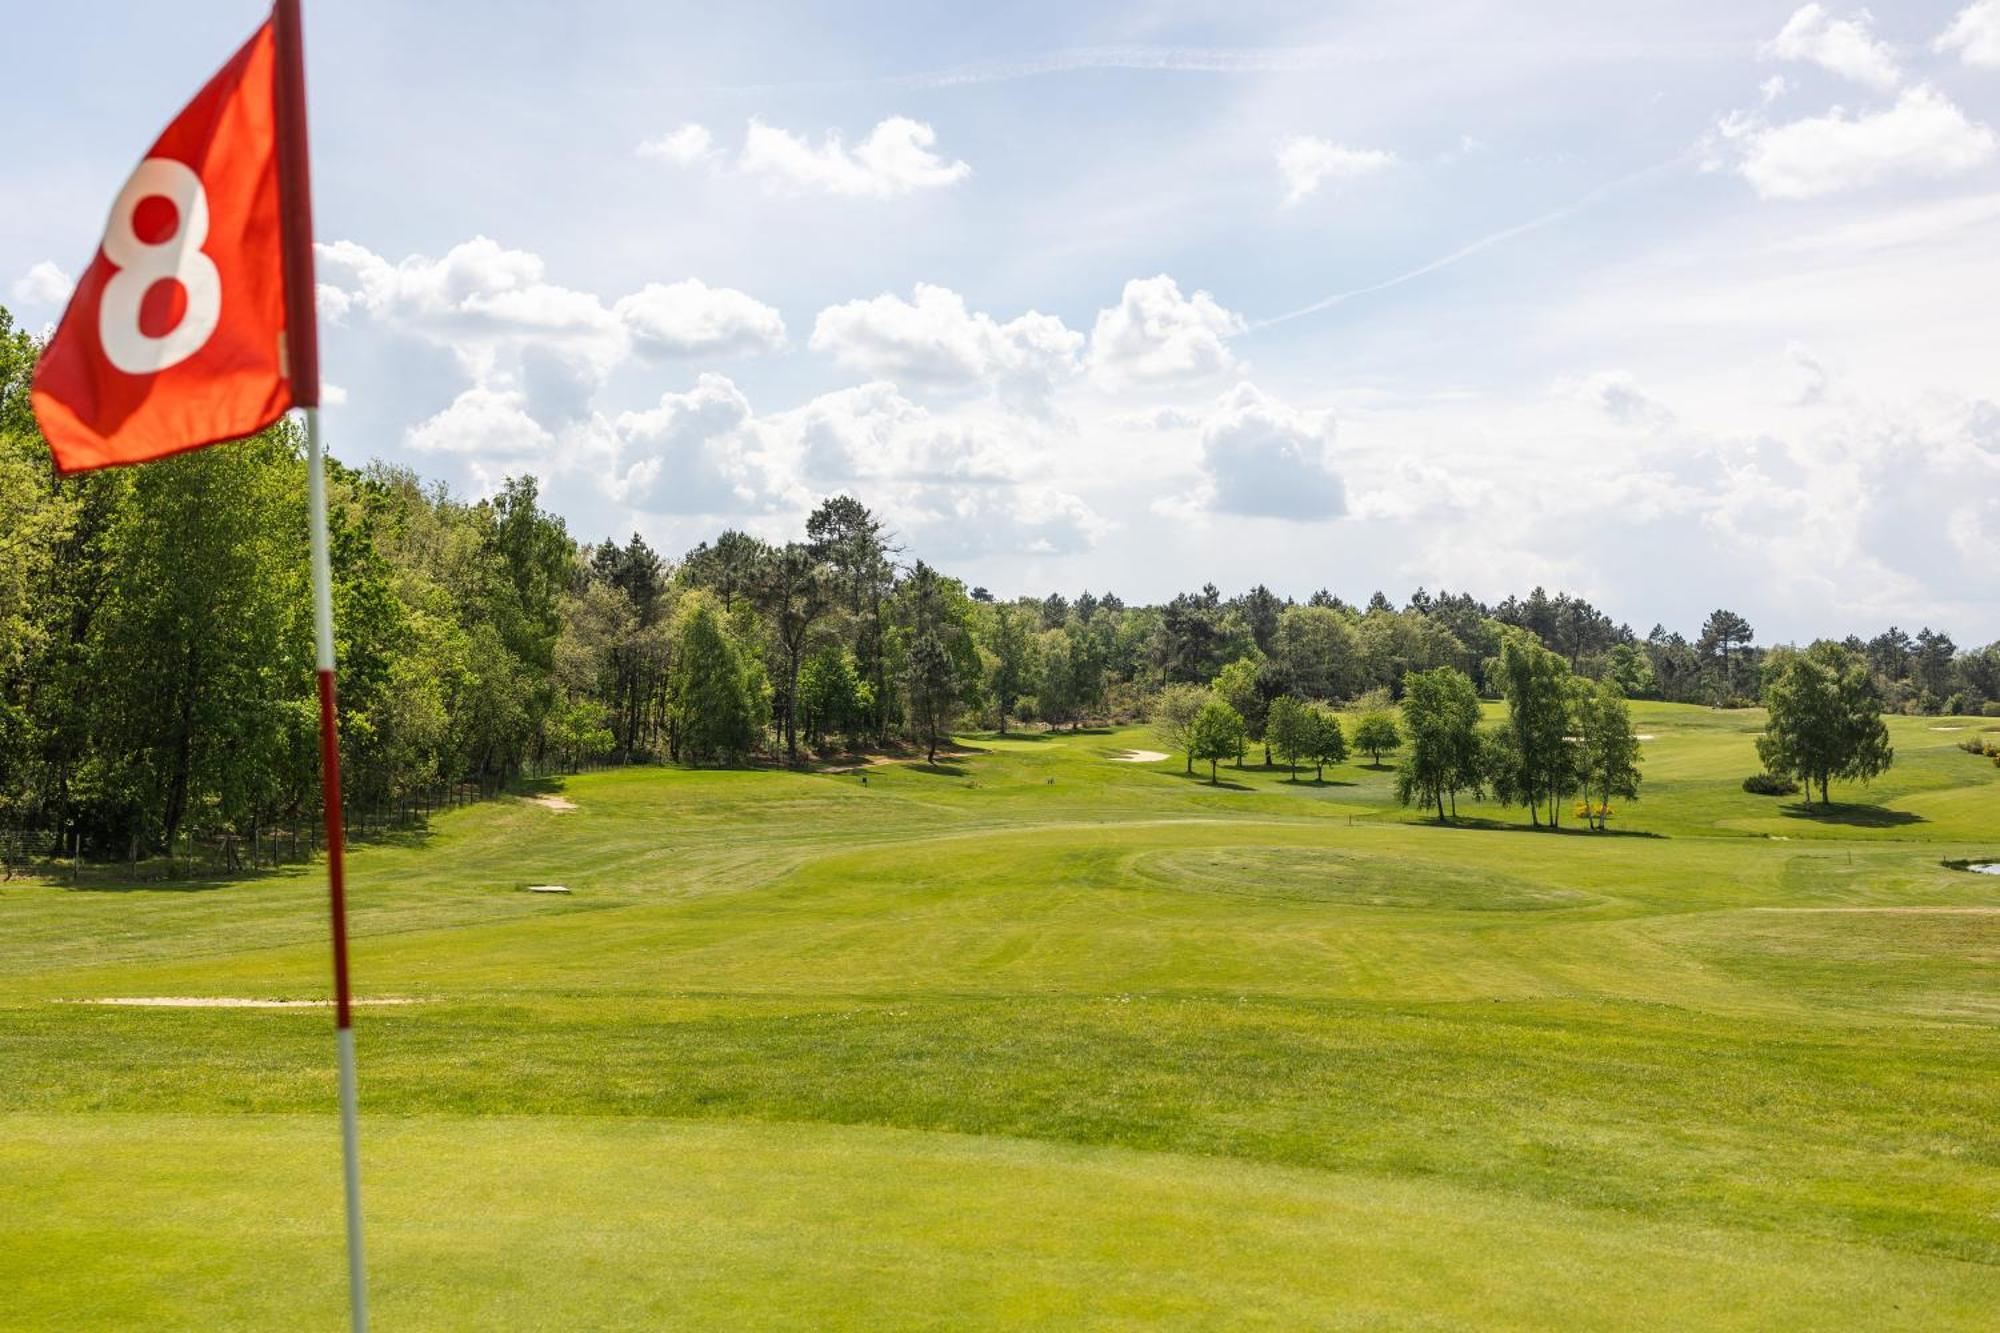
(1645,736)
(1947,728)
(559,804)
(220,1002)
(1139,757)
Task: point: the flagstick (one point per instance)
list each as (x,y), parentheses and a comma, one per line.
(336,870)
(302,354)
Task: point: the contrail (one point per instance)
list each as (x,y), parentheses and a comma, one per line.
(1486,242)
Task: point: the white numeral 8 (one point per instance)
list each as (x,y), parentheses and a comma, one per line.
(140,265)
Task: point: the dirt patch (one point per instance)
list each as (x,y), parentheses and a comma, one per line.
(562,805)
(1139,757)
(220,1002)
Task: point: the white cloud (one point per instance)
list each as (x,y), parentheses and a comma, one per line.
(485,422)
(1974,34)
(695,453)
(894,159)
(43,284)
(1618,396)
(683,147)
(934,339)
(962,523)
(1156,419)
(1262,459)
(690,318)
(1846,46)
(873,431)
(1306,162)
(1773,88)
(1156,335)
(1924,135)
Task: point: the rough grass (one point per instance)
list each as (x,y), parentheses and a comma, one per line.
(1042,1037)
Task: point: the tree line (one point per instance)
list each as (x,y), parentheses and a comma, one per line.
(155,671)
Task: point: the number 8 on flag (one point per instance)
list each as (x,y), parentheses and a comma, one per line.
(175,337)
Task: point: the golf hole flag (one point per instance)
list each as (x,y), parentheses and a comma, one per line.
(194,325)
(181,331)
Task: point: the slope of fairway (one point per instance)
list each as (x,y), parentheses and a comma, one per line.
(1043,1034)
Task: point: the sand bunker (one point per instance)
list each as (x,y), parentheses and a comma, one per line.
(221,1002)
(1139,757)
(1645,736)
(1947,728)
(559,804)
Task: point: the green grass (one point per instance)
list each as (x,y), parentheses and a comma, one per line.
(1040,1037)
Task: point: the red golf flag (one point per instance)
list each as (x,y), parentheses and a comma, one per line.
(177,334)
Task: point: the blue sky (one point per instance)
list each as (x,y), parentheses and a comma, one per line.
(1673,305)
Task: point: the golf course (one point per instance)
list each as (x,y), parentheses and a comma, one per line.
(1047,1032)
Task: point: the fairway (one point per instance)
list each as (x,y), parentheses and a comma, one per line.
(1043,1034)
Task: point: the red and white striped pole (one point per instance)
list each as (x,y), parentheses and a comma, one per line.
(302,356)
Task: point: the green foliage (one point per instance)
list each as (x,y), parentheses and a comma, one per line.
(1770,784)
(1217,734)
(1326,740)
(1441,719)
(720,700)
(1289,731)
(1607,750)
(1173,711)
(1377,733)
(1825,717)
(1537,766)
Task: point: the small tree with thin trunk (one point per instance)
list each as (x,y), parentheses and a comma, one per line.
(1326,741)
(1378,734)
(1218,734)
(1288,731)
(1174,710)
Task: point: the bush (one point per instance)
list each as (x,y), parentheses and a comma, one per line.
(1991,708)
(1769,784)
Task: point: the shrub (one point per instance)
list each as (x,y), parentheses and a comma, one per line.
(1973,745)
(1991,708)
(1769,784)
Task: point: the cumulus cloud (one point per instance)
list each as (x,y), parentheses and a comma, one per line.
(43,284)
(1618,396)
(873,431)
(1157,418)
(1848,46)
(690,318)
(490,423)
(896,158)
(683,147)
(1306,162)
(1924,135)
(964,523)
(693,453)
(933,339)
(1262,459)
(1155,335)
(1974,34)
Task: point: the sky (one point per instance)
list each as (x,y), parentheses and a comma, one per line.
(1670,305)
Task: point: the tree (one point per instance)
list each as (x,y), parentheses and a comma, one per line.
(1536,683)
(857,549)
(1288,729)
(832,695)
(793,591)
(1012,673)
(1441,716)
(1825,718)
(1318,652)
(1174,710)
(1217,734)
(1237,686)
(1326,742)
(1607,751)
(940,668)
(1377,733)
(1719,633)
(719,697)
